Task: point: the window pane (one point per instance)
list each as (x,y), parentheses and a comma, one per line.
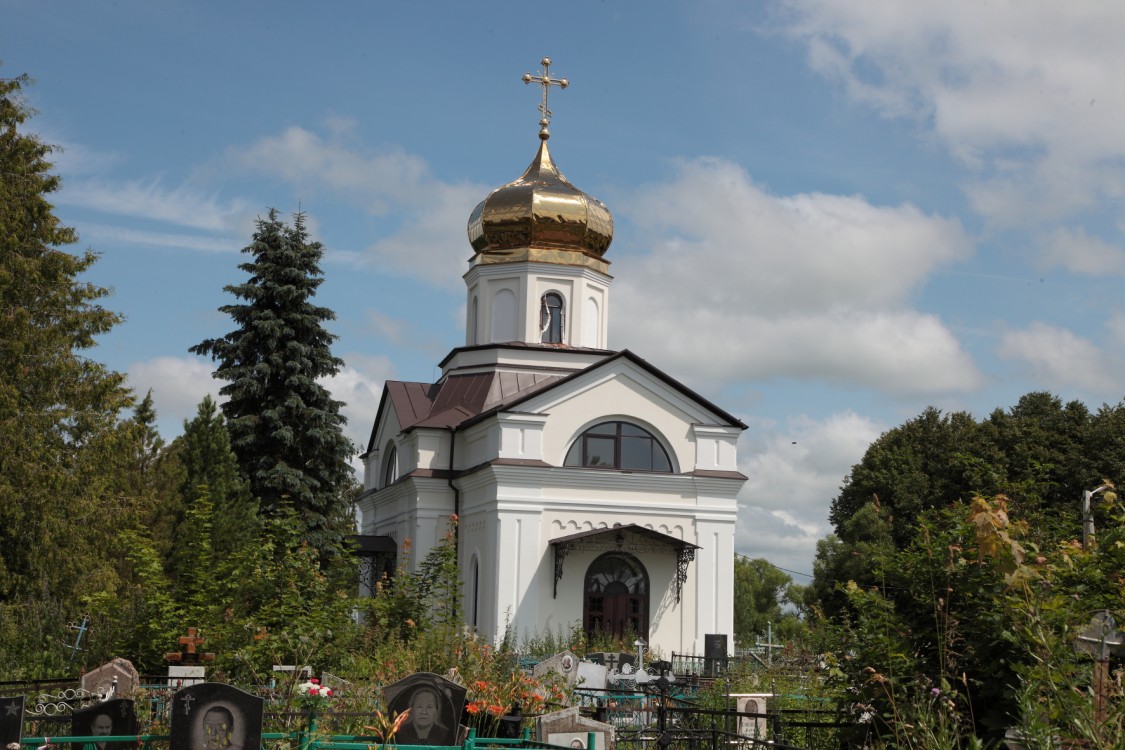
(574,455)
(599,451)
(605,428)
(660,460)
(632,430)
(636,453)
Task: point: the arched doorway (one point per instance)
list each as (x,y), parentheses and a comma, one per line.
(616,596)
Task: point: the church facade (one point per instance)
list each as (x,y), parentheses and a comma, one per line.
(590,488)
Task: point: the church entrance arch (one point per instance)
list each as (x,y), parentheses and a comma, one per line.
(615,599)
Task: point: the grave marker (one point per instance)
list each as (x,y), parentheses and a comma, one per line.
(214,716)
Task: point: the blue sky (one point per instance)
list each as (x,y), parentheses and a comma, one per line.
(829,215)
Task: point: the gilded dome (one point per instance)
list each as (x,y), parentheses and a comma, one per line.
(541,216)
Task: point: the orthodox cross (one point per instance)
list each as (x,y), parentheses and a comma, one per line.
(81,628)
(189,655)
(544,79)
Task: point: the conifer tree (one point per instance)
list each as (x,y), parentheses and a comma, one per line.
(285,427)
(211,472)
(56,405)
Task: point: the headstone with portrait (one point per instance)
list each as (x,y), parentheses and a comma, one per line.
(435,706)
(11,719)
(568,728)
(110,718)
(564,663)
(757,724)
(214,716)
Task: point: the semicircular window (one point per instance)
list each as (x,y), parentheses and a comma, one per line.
(618,445)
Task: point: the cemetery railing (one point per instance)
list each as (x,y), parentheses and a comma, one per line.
(307,740)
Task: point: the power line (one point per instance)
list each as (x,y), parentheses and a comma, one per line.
(767,562)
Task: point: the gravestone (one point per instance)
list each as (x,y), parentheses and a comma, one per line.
(214,716)
(757,727)
(101,680)
(11,720)
(714,654)
(570,729)
(564,663)
(435,705)
(113,717)
(613,660)
(591,675)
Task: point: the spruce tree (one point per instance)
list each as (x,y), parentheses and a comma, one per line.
(284,426)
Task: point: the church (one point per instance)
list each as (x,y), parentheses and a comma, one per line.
(590,487)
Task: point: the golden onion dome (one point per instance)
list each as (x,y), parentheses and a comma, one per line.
(541,217)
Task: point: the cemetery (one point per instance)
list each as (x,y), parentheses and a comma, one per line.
(594,701)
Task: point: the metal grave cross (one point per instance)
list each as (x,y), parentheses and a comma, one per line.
(545,80)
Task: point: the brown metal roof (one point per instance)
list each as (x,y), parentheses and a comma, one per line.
(460,397)
(655,536)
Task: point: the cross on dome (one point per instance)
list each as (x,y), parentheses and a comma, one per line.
(544,79)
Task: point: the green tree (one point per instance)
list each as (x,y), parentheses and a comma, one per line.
(760,593)
(285,427)
(211,472)
(56,405)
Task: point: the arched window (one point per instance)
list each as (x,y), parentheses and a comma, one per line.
(390,467)
(615,601)
(618,445)
(551,318)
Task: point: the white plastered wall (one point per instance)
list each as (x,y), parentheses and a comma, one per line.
(585,295)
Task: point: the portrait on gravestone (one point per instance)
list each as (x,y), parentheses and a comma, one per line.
(213,716)
(11,719)
(115,717)
(435,705)
(576,740)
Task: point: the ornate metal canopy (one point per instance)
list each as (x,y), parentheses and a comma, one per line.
(627,538)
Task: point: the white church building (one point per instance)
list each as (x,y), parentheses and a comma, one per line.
(590,487)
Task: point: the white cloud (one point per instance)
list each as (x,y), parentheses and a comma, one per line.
(103,233)
(1076,250)
(359,384)
(794,473)
(430,214)
(1060,360)
(148,199)
(1024,92)
(178,384)
(741,284)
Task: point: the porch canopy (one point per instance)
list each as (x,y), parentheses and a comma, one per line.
(625,538)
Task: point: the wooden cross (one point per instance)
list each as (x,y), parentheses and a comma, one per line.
(189,655)
(545,80)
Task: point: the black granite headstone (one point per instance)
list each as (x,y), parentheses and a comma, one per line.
(714,654)
(435,705)
(11,719)
(214,716)
(115,717)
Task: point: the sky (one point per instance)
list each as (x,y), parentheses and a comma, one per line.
(829,216)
